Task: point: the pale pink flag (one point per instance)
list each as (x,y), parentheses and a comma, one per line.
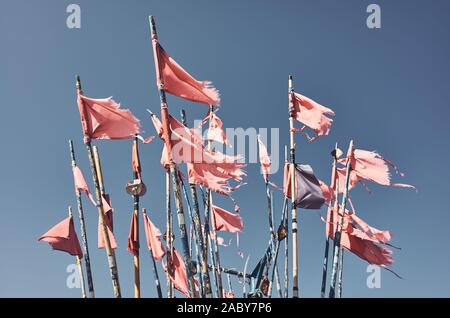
(108,217)
(212,169)
(311,114)
(80,183)
(152,235)
(215,130)
(226,221)
(358,242)
(178,273)
(264,159)
(103,119)
(62,237)
(175,80)
(370,166)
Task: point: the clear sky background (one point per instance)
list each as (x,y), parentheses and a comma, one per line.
(389,88)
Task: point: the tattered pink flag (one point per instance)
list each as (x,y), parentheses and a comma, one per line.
(370,166)
(62,237)
(103,119)
(152,234)
(359,242)
(264,159)
(133,235)
(171,77)
(211,169)
(108,217)
(178,273)
(80,183)
(311,114)
(135,161)
(215,130)
(226,221)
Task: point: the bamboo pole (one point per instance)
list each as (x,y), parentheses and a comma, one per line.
(286,243)
(213,222)
(334,181)
(155,269)
(109,252)
(169,236)
(295,290)
(80,268)
(173,168)
(137,280)
(337,235)
(277,248)
(341,274)
(87,260)
(199,233)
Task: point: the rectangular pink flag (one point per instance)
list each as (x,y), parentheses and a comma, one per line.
(62,237)
(178,273)
(175,80)
(226,221)
(103,119)
(152,234)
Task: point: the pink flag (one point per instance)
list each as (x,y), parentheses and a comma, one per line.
(215,130)
(175,80)
(103,119)
(311,114)
(370,166)
(108,217)
(226,221)
(152,235)
(207,168)
(80,183)
(133,235)
(178,273)
(264,159)
(227,294)
(135,162)
(62,237)
(358,242)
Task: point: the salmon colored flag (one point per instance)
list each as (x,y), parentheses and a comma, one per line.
(62,237)
(152,234)
(135,162)
(80,183)
(103,119)
(215,130)
(371,166)
(362,244)
(108,217)
(175,80)
(178,273)
(133,235)
(264,159)
(226,221)
(311,114)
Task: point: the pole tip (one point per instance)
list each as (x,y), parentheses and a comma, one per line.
(150,112)
(290,77)
(70,211)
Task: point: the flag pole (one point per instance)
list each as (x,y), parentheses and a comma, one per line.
(293,208)
(155,269)
(334,182)
(286,242)
(80,268)
(337,235)
(214,239)
(137,280)
(173,167)
(109,252)
(83,229)
(169,236)
(341,273)
(198,229)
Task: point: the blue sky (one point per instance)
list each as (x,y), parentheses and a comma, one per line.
(388,87)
